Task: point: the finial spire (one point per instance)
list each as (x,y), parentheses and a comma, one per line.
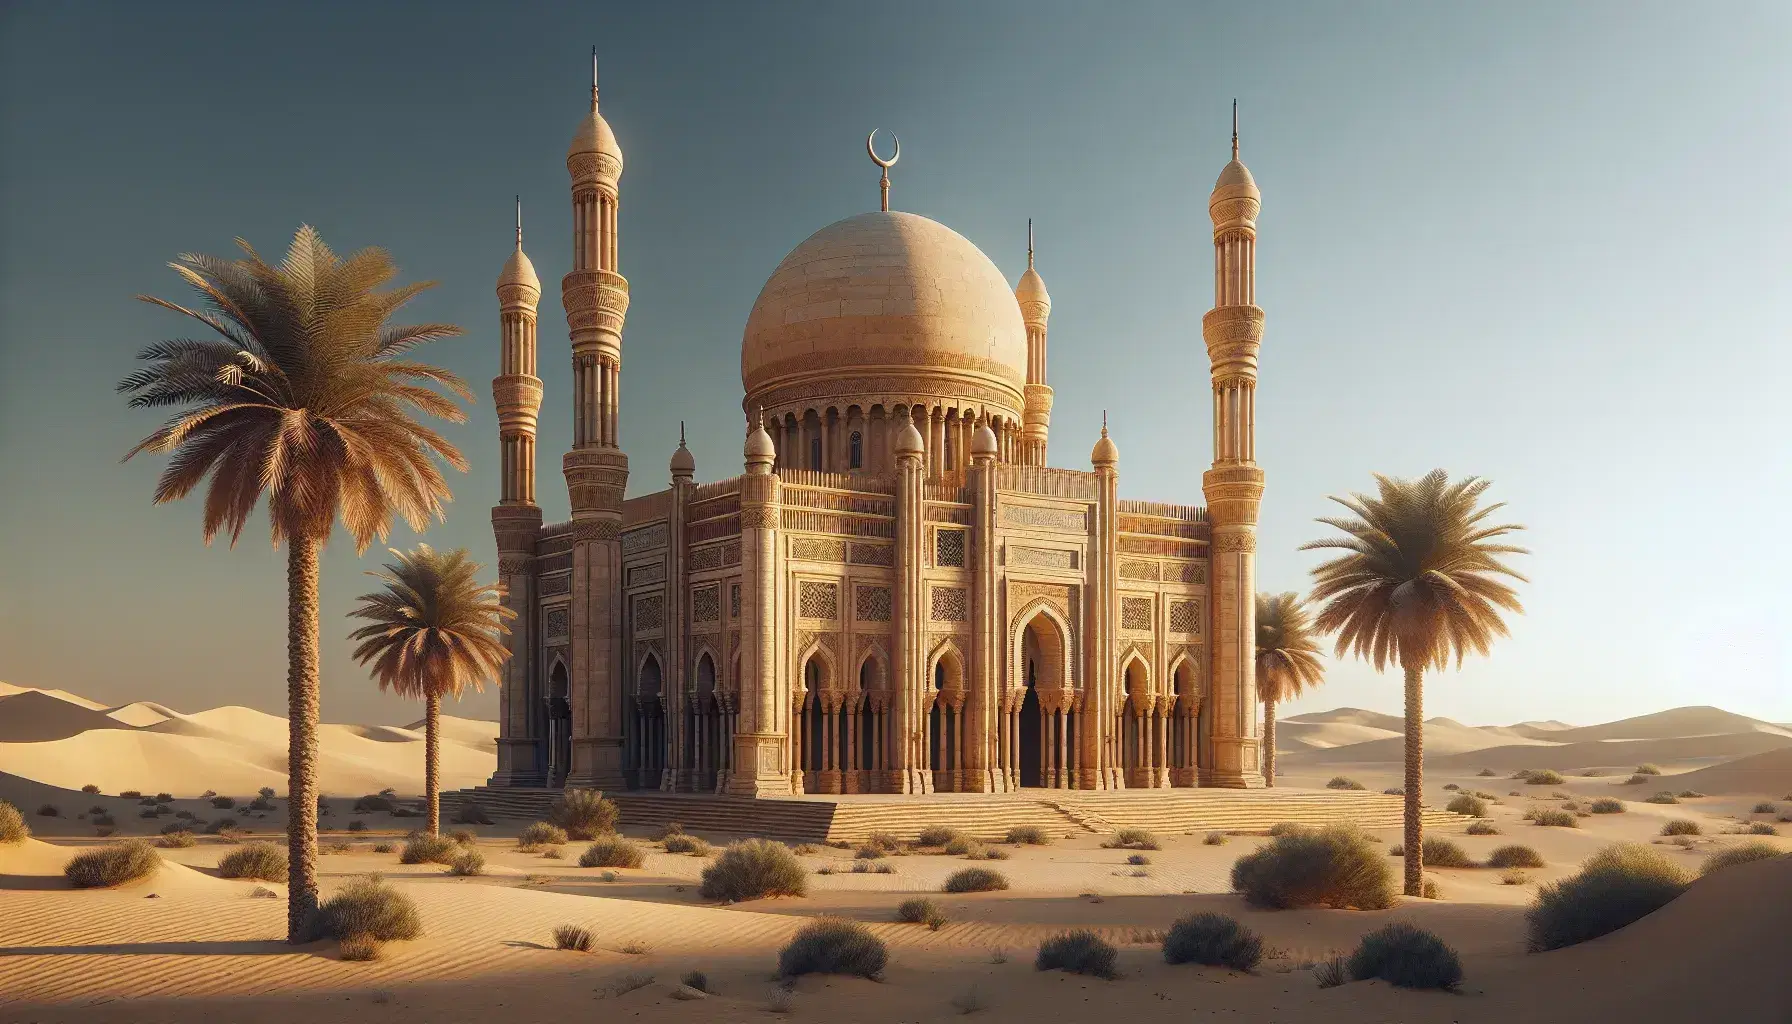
(884,185)
(1104,423)
(594,78)
(519,223)
(1234,127)
(1029,243)
(681,433)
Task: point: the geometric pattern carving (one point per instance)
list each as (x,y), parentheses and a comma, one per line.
(710,557)
(949,548)
(652,572)
(734,600)
(1045,558)
(1134,569)
(871,604)
(947,604)
(1185,617)
(650,612)
(636,541)
(817,549)
(706,604)
(873,554)
(559,583)
(554,626)
(1135,613)
(1046,518)
(818,600)
(1191,572)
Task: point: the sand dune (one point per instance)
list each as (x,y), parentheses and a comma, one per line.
(1352,716)
(1294,736)
(1442,736)
(1616,755)
(35,717)
(1768,773)
(1671,724)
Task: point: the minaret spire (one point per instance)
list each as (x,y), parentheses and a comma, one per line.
(594,78)
(1029,243)
(1234,122)
(519,223)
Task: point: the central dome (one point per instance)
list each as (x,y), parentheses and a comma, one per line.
(894,301)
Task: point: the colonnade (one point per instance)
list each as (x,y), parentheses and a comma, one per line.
(853,439)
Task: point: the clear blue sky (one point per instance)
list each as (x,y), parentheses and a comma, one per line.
(1543,243)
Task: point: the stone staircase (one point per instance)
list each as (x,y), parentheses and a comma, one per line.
(1059,812)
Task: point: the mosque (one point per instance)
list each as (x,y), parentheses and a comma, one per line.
(898,594)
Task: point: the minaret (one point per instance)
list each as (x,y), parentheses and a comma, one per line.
(1035,310)
(516,392)
(596,301)
(1233,330)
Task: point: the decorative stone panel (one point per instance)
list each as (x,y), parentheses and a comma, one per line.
(949,548)
(871,604)
(559,583)
(1038,517)
(645,539)
(1187,572)
(651,572)
(1135,613)
(1044,558)
(650,612)
(734,600)
(1137,569)
(947,604)
(712,557)
(818,600)
(706,604)
(1185,617)
(818,549)
(554,624)
(873,554)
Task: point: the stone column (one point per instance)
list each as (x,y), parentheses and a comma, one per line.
(908,747)
(762,744)
(981,773)
(677,684)
(519,742)
(1104,767)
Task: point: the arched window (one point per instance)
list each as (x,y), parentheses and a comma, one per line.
(858,450)
(815,453)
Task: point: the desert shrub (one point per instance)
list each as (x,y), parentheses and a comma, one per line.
(571,936)
(1470,805)
(401,811)
(920,910)
(687,844)
(1592,773)
(1330,973)
(1288,828)
(261,803)
(376,803)
(1615,887)
(185,815)
(223,824)
(881,840)
(368,909)
(806,849)
(359,949)
(12,824)
(1442,853)
(1397,850)
(384,847)
(1689,794)
(1765,808)
(164,798)
(988,853)
(1761,828)
(975,880)
(1485,795)
(1663,797)
(541,833)
(357,826)
(1607,805)
(661,833)
(1214,839)
(131,794)
(831,945)
(1028,835)
(1487,773)
(1684,842)
(584,814)
(1341,782)
(463,837)
(471,813)
(1743,854)
(115,864)
(1451,787)
(1133,839)
(178,840)
(937,835)
(1335,867)
(1513,876)
(1515,856)
(960,845)
(1393,791)
(52,811)
(695,979)
(470,862)
(147,812)
(1648,769)
(754,868)
(1407,957)
(1483,827)
(1541,777)
(612,852)
(90,788)
(263,861)
(1078,952)
(265,792)
(1138,860)
(1556,819)
(1681,827)
(1213,939)
(423,848)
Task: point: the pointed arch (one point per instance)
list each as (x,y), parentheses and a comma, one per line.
(946,656)
(1135,675)
(874,669)
(1066,666)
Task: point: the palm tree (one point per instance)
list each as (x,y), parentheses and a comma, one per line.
(1287,663)
(433,631)
(303,393)
(1418,584)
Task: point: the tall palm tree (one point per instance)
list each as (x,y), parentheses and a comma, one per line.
(300,390)
(1419,582)
(1287,663)
(432,632)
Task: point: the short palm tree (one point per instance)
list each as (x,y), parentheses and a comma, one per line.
(1419,583)
(432,632)
(300,391)
(1287,663)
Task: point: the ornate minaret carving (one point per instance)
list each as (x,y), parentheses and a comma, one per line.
(1233,330)
(1035,311)
(516,520)
(762,748)
(596,301)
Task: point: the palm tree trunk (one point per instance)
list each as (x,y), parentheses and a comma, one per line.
(1269,744)
(1415,778)
(301,748)
(432,761)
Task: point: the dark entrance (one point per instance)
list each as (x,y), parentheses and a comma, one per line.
(1029,732)
(559,727)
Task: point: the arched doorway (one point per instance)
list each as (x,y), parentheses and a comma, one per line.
(1187,699)
(1043,750)
(818,752)
(868,758)
(945,721)
(559,726)
(703,727)
(1135,725)
(650,724)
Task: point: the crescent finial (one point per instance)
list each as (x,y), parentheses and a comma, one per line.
(884,184)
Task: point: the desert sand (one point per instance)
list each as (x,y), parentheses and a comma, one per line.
(208,948)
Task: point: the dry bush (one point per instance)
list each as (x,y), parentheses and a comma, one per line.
(261,803)
(1689,794)
(1397,791)
(831,945)
(921,910)
(179,839)
(692,845)
(571,936)
(1663,797)
(1451,787)
(1553,818)
(1331,973)
(1681,827)
(52,811)
(130,794)
(463,836)
(1743,854)
(1515,857)
(970,1001)
(1215,940)
(1483,827)
(262,861)
(1439,852)
(1470,805)
(1214,839)
(217,827)
(936,835)
(1406,957)
(368,910)
(423,848)
(881,840)
(1761,828)
(12,824)
(612,852)
(384,847)
(1607,805)
(1289,828)
(470,862)
(1138,860)
(806,849)
(110,865)
(975,880)
(1077,952)
(1765,807)
(584,814)
(90,788)
(1334,867)
(1615,887)
(960,845)
(359,948)
(1341,782)
(375,803)
(628,983)
(1636,780)
(1541,777)
(663,832)
(754,868)
(224,803)
(1487,773)
(1513,876)
(1028,835)
(539,834)
(1648,769)
(357,826)
(1133,839)
(697,980)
